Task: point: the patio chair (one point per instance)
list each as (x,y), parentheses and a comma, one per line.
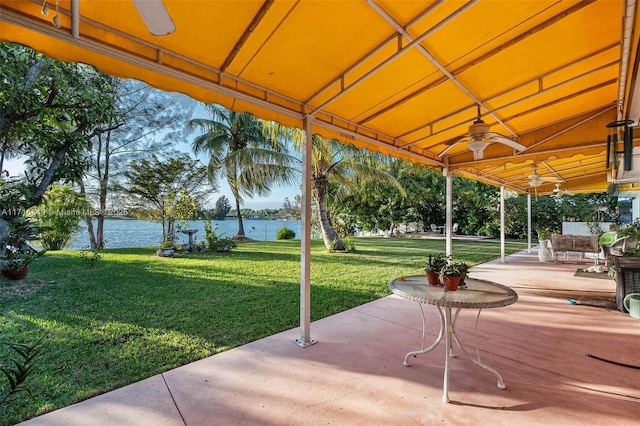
(434,228)
(615,248)
(454,229)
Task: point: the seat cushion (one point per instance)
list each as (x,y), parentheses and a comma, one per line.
(585,243)
(608,238)
(561,242)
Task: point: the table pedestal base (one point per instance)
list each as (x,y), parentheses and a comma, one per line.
(448,331)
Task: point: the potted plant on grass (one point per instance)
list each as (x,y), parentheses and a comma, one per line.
(434,265)
(165,249)
(16,261)
(15,253)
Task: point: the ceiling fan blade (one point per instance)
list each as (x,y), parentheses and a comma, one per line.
(447,149)
(513,144)
(155,16)
(455,140)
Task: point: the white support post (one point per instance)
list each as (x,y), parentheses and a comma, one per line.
(502,225)
(449,210)
(529,222)
(305,240)
(75,18)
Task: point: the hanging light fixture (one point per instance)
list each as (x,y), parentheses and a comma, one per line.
(534,183)
(478,146)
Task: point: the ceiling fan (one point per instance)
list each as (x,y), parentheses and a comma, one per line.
(155,16)
(535,180)
(479,137)
(557,192)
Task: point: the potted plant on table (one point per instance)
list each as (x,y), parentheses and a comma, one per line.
(626,269)
(453,275)
(434,265)
(632,232)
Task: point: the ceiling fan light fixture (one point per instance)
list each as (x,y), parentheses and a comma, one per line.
(478,149)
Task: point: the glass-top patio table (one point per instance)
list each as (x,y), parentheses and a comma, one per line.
(479,294)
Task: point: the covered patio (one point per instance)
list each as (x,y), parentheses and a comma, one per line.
(355,374)
(515,94)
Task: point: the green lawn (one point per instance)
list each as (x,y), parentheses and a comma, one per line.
(135,315)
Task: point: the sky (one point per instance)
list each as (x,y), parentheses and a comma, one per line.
(15,167)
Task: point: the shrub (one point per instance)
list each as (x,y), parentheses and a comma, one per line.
(90,258)
(285,233)
(59,215)
(217,242)
(21,366)
(349,244)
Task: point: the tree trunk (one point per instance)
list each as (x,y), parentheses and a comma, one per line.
(47,178)
(103,207)
(329,235)
(239,215)
(88,219)
(171,232)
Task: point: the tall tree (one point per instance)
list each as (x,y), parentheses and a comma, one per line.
(147,121)
(49,111)
(343,169)
(223,207)
(475,206)
(242,152)
(165,191)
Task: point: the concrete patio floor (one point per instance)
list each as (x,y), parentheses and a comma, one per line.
(354,374)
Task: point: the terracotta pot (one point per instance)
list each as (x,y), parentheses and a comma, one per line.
(451,282)
(16,274)
(432,277)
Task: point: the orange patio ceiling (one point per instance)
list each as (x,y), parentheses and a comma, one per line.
(400,77)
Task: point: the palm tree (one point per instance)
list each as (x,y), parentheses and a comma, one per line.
(241,151)
(344,168)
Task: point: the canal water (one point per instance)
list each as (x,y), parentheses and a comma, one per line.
(120,233)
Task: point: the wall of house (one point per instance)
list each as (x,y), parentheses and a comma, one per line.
(581,228)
